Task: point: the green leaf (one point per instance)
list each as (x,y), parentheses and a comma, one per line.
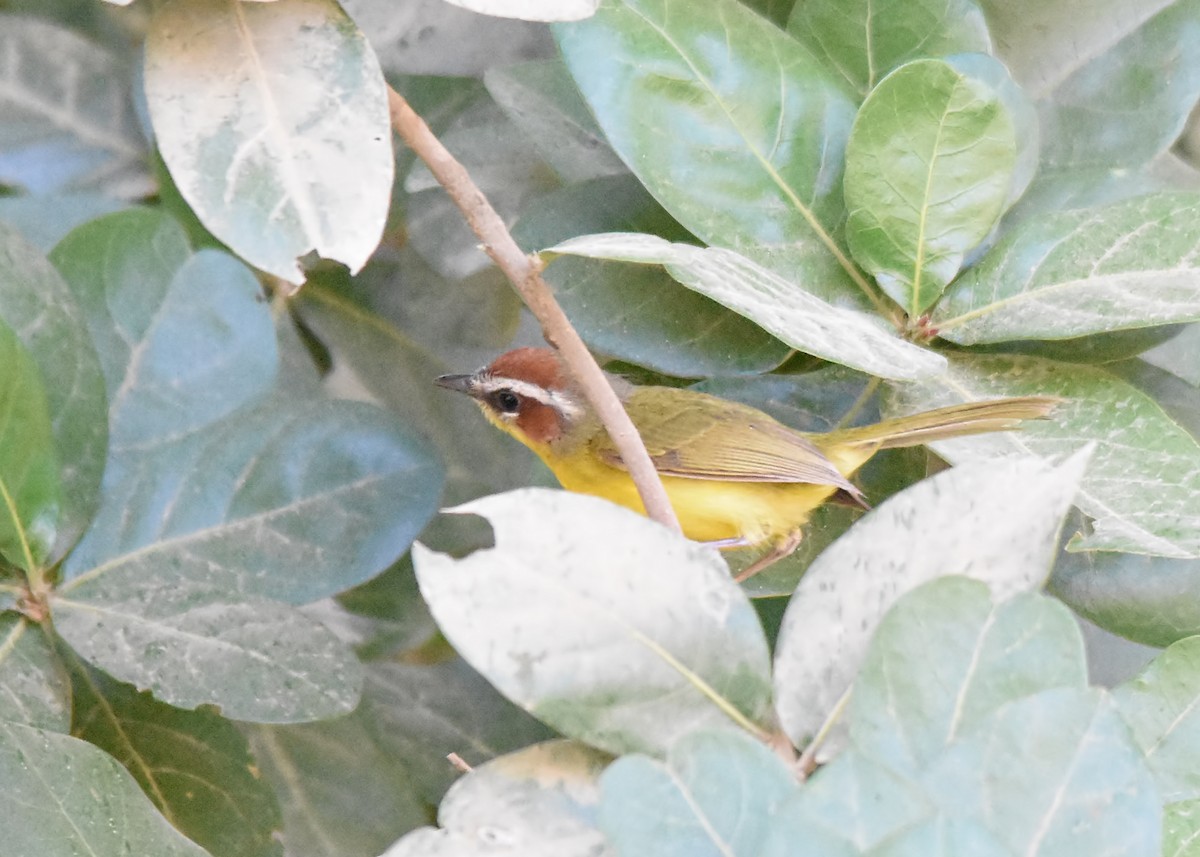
(420,713)
(929,166)
(539,802)
(1142,482)
(848,806)
(1143,598)
(69,121)
(193,765)
(758,168)
(1073,273)
(193,642)
(640,314)
(1118,83)
(995,521)
(33,683)
(945,657)
(785,309)
(75,799)
(714,795)
(1056,773)
(1181,829)
(1160,706)
(864,40)
(29,483)
(399,374)
(275,157)
(568,579)
(541,99)
(341,794)
(38,306)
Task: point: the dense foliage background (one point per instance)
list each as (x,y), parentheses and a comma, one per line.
(214,637)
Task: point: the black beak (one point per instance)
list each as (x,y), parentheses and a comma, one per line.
(460,383)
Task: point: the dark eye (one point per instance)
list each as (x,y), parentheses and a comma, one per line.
(508,401)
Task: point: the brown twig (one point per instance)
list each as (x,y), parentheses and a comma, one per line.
(525,274)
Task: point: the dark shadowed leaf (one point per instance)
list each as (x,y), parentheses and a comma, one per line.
(193,765)
(538,802)
(574,576)
(275,160)
(714,795)
(341,794)
(75,799)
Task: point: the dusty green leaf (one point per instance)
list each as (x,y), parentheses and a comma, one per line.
(273,120)
(29,480)
(37,305)
(1074,273)
(1143,598)
(714,794)
(1181,829)
(193,765)
(193,642)
(69,798)
(568,579)
(758,168)
(421,713)
(942,836)
(1161,707)
(1141,485)
(866,39)
(69,123)
(34,689)
(538,802)
(640,314)
(46,220)
(945,657)
(341,794)
(929,166)
(784,309)
(1118,83)
(850,805)
(1056,773)
(994,521)
(541,99)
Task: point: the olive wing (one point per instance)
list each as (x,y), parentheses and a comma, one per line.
(697,436)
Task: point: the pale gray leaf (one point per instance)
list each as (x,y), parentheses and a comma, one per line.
(787,310)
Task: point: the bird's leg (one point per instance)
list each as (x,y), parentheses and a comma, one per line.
(778,551)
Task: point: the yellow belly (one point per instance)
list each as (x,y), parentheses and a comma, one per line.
(708,510)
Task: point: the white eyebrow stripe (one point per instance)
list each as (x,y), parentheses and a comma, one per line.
(561,402)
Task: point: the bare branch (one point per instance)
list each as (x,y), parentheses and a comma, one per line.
(525,274)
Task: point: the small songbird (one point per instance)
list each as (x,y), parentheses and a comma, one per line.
(736,476)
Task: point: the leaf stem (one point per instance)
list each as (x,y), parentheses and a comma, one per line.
(807,763)
(524,272)
(32,571)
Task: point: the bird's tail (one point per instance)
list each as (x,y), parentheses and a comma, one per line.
(943,423)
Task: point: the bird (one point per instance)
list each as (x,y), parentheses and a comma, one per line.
(736,477)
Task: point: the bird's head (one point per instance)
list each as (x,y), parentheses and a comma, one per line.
(527,393)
